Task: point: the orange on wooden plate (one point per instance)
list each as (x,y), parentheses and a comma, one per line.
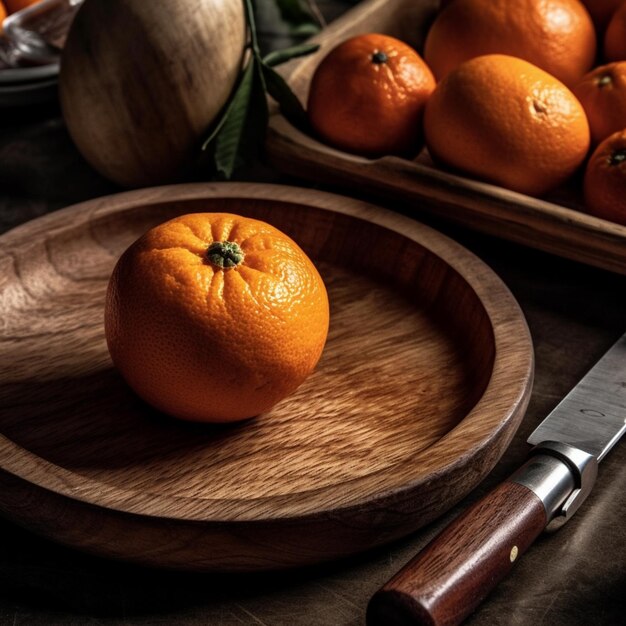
(602,92)
(368,94)
(506,121)
(605,179)
(557,36)
(215,317)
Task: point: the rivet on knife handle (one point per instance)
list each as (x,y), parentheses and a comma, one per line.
(452,575)
(455,572)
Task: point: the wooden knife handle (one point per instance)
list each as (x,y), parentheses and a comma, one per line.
(445,582)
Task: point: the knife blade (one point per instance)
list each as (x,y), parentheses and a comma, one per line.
(449,578)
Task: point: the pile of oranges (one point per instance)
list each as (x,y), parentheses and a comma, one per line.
(525,95)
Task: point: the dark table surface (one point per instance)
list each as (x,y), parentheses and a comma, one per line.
(576,576)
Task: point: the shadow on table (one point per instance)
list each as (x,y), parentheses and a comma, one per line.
(40,578)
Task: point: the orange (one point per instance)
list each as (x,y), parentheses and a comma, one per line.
(601,11)
(556,35)
(602,92)
(17,5)
(605,179)
(368,94)
(215,317)
(3,14)
(615,36)
(504,120)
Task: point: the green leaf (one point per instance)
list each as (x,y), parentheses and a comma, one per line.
(282,56)
(220,124)
(240,134)
(289,104)
(307,29)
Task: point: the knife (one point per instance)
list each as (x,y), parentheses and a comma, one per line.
(449,578)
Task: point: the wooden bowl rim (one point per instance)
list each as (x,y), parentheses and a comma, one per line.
(509,386)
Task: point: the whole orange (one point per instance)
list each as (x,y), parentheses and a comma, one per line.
(602,92)
(215,317)
(368,94)
(601,11)
(605,179)
(506,121)
(615,36)
(556,35)
(17,5)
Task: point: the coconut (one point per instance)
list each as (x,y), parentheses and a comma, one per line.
(142,82)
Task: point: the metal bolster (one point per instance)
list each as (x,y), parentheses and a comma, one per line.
(561,475)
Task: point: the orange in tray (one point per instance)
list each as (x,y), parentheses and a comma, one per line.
(602,92)
(505,121)
(215,317)
(601,11)
(605,179)
(368,94)
(557,36)
(615,36)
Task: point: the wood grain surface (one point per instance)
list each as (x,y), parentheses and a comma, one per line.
(556,223)
(424,379)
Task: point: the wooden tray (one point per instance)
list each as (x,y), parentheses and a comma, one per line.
(422,384)
(556,224)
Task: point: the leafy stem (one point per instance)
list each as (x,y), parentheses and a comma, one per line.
(237,137)
(254,40)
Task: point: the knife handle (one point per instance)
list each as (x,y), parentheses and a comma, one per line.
(447,580)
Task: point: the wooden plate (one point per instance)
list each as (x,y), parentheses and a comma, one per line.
(423,382)
(556,224)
